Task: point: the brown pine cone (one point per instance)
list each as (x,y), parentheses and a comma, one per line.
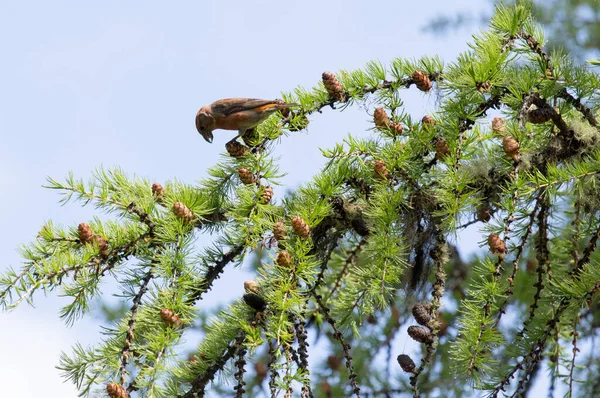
(483,87)
(334,362)
(406,363)
(531,265)
(428,121)
(381,118)
(396,128)
(85,232)
(158,191)
(235,149)
(380,169)
(255,301)
(484,213)
(498,125)
(284,258)
(333,86)
(182,212)
(300,227)
(441,149)
(422,80)
(421,313)
(169,317)
(511,147)
(103,248)
(261,371)
(279,231)
(116,391)
(420,334)
(246,176)
(538,116)
(251,287)
(497,245)
(266,195)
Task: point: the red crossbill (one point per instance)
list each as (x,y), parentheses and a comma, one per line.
(236,114)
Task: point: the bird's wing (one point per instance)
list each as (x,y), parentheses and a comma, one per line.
(230,106)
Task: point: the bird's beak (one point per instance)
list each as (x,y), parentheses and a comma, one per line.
(208,136)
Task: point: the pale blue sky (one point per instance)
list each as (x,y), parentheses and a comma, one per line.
(118,83)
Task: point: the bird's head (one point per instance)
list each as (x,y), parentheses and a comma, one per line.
(205,124)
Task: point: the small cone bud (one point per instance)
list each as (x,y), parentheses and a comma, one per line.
(511,147)
(380,169)
(279,231)
(169,317)
(428,121)
(532,265)
(116,391)
(420,334)
(251,287)
(381,118)
(261,371)
(498,125)
(334,362)
(103,248)
(333,86)
(236,149)
(255,301)
(484,87)
(496,244)
(406,363)
(441,149)
(396,128)
(484,213)
(85,232)
(300,227)
(246,176)
(266,195)
(538,116)
(284,258)
(421,313)
(158,191)
(422,80)
(181,211)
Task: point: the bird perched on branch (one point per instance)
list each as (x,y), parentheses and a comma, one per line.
(236,114)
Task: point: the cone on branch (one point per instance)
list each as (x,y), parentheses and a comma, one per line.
(251,287)
(511,147)
(483,87)
(380,169)
(539,116)
(246,176)
(261,371)
(85,232)
(170,318)
(103,248)
(498,126)
(441,149)
(284,258)
(333,87)
(116,391)
(255,301)
(300,227)
(158,191)
(279,231)
(266,194)
(497,245)
(420,334)
(334,362)
(236,149)
(421,313)
(381,118)
(397,128)
(422,80)
(428,121)
(484,212)
(406,363)
(182,212)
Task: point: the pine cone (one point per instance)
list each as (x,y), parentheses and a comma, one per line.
(484,213)
(497,245)
(421,313)
(483,87)
(511,147)
(169,317)
(116,391)
(246,176)
(334,362)
(255,301)
(182,212)
(406,363)
(420,334)
(235,149)
(531,265)
(428,121)
(333,87)
(538,116)
(103,248)
(300,227)
(284,258)
(251,287)
(381,118)
(158,191)
(381,172)
(441,149)
(422,80)
(85,232)
(279,231)
(266,195)
(396,128)
(498,125)
(261,371)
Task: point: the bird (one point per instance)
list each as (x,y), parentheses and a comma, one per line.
(239,114)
